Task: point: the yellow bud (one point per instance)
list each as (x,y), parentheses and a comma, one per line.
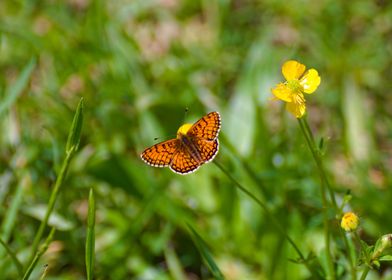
(349,221)
(184,129)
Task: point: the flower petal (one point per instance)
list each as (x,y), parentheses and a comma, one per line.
(292,70)
(297,107)
(282,92)
(310,81)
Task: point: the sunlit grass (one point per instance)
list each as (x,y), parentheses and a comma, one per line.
(138,65)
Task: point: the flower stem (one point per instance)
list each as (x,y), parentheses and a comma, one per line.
(269,214)
(316,155)
(350,256)
(365,273)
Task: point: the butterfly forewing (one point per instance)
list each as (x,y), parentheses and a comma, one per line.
(207,127)
(161,154)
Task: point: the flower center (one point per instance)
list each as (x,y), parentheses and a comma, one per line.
(294,86)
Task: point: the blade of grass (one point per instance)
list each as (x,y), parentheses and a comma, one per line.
(206,254)
(38,255)
(174,264)
(71,147)
(10,216)
(17,263)
(17,88)
(43,275)
(90,239)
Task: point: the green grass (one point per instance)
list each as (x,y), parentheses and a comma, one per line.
(138,65)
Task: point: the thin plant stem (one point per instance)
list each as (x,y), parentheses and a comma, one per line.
(70,150)
(317,157)
(52,201)
(308,138)
(43,275)
(90,239)
(350,256)
(15,260)
(269,214)
(365,273)
(325,182)
(38,255)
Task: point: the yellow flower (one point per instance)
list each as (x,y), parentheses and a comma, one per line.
(297,83)
(349,221)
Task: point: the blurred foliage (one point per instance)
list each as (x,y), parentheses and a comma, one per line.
(138,65)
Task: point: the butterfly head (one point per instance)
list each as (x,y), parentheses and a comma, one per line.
(183,129)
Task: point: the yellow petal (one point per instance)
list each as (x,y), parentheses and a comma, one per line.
(292,70)
(297,107)
(310,81)
(282,92)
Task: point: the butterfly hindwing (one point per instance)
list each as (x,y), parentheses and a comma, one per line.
(207,149)
(183,162)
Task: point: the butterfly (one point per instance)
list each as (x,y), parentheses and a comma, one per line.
(195,145)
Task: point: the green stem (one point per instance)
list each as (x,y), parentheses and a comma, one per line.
(267,211)
(90,238)
(350,256)
(365,273)
(70,149)
(38,255)
(17,263)
(316,156)
(52,201)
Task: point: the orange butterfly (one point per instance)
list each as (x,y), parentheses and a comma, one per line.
(195,145)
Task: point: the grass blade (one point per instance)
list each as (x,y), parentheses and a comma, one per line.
(17,88)
(76,129)
(17,263)
(174,264)
(90,239)
(10,216)
(72,144)
(206,254)
(38,255)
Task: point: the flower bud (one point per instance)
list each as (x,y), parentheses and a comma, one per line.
(349,221)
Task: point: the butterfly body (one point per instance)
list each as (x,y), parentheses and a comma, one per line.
(188,143)
(195,145)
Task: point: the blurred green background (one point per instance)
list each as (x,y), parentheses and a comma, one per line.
(138,65)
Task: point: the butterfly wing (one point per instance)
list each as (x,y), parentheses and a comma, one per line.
(207,149)
(207,127)
(161,154)
(183,163)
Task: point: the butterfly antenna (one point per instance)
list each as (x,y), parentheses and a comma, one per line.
(185,115)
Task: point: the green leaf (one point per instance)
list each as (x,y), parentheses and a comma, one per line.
(76,129)
(386,258)
(321,144)
(206,254)
(90,239)
(55,220)
(17,88)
